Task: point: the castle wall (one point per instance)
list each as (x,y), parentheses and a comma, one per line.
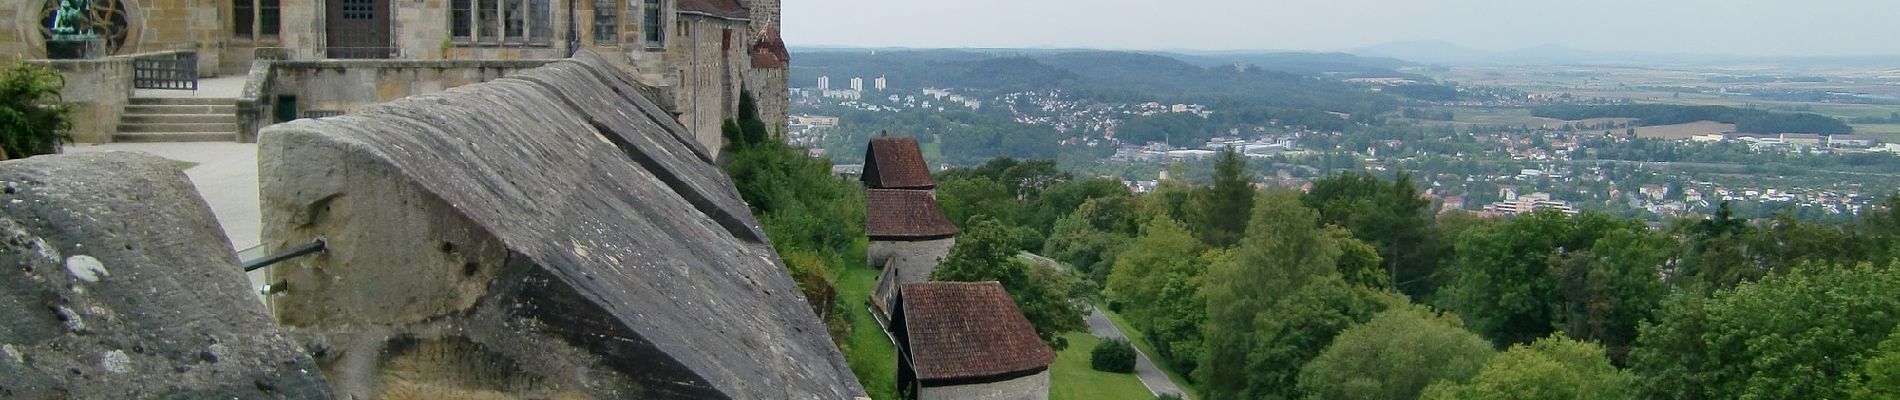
(1033,387)
(548,235)
(97,91)
(710,74)
(20,38)
(769,87)
(914,260)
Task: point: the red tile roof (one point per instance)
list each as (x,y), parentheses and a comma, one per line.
(894,162)
(963,330)
(728,9)
(900,214)
(769,52)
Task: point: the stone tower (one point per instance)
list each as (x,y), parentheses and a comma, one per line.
(909,235)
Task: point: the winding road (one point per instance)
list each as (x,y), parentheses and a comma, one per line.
(1150,374)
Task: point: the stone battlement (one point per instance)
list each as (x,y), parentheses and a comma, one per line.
(550,234)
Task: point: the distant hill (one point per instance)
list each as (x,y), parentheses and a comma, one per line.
(1105,75)
(1446,53)
(1306,63)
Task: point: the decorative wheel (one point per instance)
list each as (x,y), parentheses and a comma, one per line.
(106,19)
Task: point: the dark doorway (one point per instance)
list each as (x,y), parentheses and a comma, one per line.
(358,29)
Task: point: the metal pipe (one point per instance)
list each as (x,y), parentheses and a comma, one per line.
(315,246)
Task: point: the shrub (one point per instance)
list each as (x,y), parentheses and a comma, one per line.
(1113,355)
(33,121)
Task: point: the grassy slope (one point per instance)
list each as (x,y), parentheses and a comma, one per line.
(1070,378)
(868,351)
(1141,342)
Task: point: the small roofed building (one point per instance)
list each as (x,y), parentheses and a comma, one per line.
(967,340)
(909,236)
(894,162)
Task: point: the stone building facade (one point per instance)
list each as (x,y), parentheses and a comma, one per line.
(130,27)
(701,52)
(967,340)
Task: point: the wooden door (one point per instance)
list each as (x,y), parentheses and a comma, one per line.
(358,29)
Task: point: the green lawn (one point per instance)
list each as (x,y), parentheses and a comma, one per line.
(932,150)
(868,351)
(1070,378)
(1141,342)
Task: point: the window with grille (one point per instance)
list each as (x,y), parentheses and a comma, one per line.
(606,22)
(360,10)
(539,32)
(514,24)
(461,26)
(510,22)
(655,32)
(487,21)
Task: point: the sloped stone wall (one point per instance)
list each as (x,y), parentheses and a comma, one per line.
(551,234)
(118,284)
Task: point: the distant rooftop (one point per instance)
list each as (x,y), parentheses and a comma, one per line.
(894,162)
(769,52)
(728,9)
(899,214)
(969,330)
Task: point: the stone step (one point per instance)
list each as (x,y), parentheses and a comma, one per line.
(231,128)
(182,101)
(170,137)
(178,119)
(180,109)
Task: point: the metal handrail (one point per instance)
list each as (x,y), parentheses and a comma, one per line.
(315,246)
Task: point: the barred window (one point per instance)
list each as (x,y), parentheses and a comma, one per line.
(606,22)
(500,21)
(487,21)
(460,16)
(539,31)
(655,32)
(514,23)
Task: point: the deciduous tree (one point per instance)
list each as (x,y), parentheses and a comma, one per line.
(1394,356)
(1552,368)
(1790,336)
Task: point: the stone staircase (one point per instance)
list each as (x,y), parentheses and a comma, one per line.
(178,119)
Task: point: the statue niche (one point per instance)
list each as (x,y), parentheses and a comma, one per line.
(84,28)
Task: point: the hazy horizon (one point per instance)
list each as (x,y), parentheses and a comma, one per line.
(1712,27)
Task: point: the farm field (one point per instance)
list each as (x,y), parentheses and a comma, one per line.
(1684,131)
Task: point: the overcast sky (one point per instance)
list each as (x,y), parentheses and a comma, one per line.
(1739,27)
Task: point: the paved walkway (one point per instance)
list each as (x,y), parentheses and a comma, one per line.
(1150,375)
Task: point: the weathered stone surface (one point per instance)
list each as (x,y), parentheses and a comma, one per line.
(550,235)
(119,284)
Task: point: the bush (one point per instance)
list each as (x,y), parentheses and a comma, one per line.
(1113,355)
(33,121)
